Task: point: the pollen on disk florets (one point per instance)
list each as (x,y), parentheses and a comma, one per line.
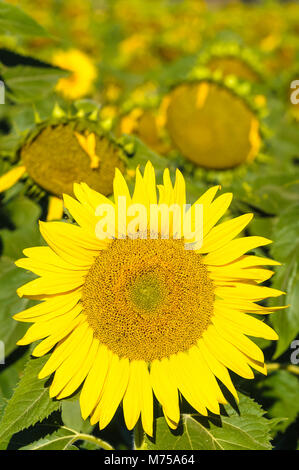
(146,299)
(55,160)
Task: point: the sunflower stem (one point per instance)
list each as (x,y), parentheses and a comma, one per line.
(95,440)
(272,367)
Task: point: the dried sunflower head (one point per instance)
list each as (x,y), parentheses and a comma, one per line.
(211,125)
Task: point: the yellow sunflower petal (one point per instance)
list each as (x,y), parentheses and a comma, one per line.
(77,378)
(45,254)
(146,400)
(55,208)
(232,272)
(67,370)
(247,291)
(89,198)
(185,382)
(43,269)
(259,366)
(218,369)
(164,389)
(113,391)
(42,329)
(50,308)
(71,253)
(120,188)
(222,234)
(93,385)
(230,356)
(232,335)
(49,285)
(179,190)
(47,344)
(63,350)
(84,218)
(234,249)
(149,179)
(246,305)
(211,386)
(207,197)
(215,211)
(133,394)
(167,193)
(247,324)
(11,177)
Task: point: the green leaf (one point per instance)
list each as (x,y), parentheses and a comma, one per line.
(286,321)
(15,22)
(261,226)
(25,84)
(248,430)
(3,403)
(286,250)
(23,214)
(58,440)
(270,193)
(71,416)
(285,234)
(10,375)
(282,388)
(11,278)
(65,438)
(29,404)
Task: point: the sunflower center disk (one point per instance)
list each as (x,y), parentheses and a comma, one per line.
(147,299)
(147,292)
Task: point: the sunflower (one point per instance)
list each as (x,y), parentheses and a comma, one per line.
(233,66)
(211,125)
(135,316)
(230,59)
(48,168)
(144,123)
(84,73)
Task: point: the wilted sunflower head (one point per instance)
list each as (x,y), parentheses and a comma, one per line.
(211,125)
(135,312)
(84,73)
(57,154)
(230,59)
(144,123)
(233,66)
(60,156)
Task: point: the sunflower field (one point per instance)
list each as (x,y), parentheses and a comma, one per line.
(149,226)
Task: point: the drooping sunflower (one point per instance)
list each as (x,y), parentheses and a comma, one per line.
(83,75)
(211,125)
(230,59)
(144,123)
(143,115)
(48,168)
(130,316)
